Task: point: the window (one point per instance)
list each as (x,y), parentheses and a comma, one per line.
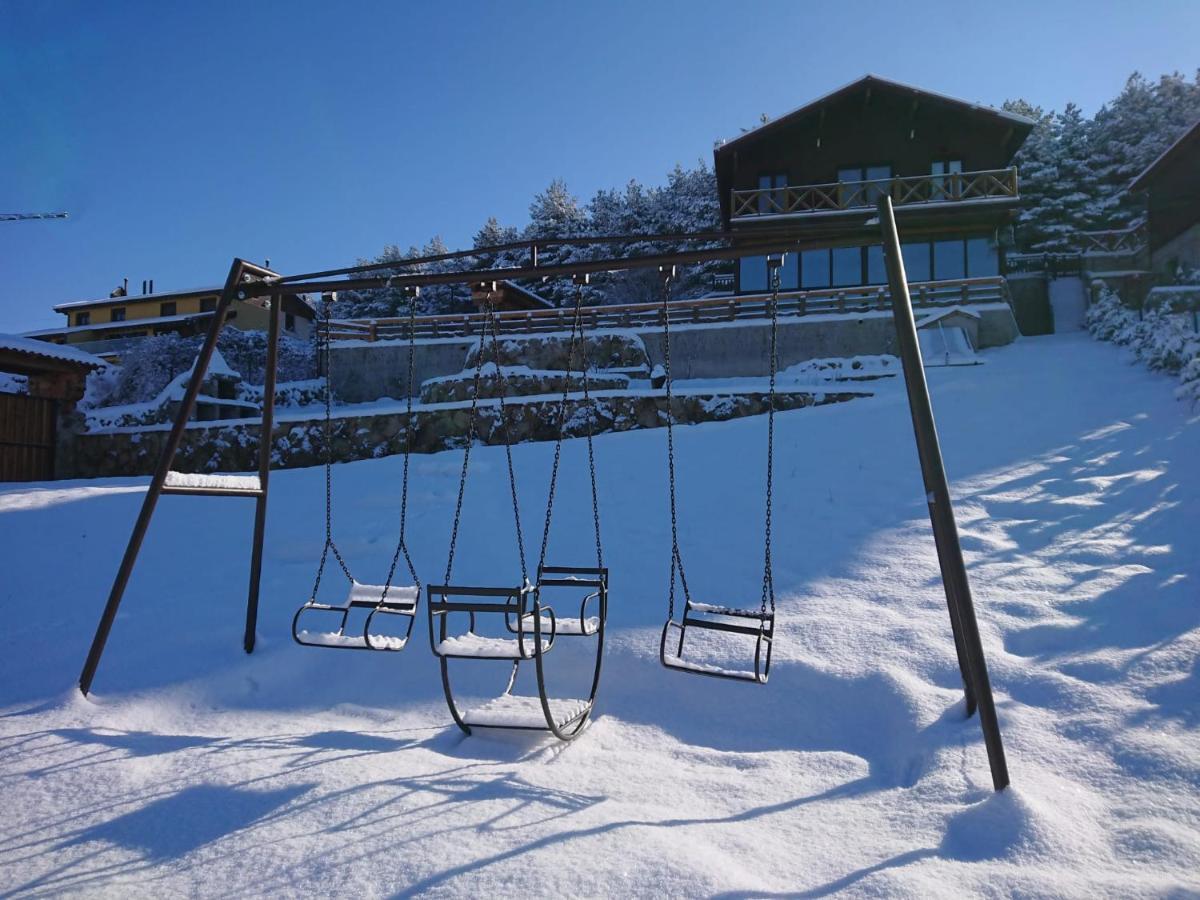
(847,266)
(814,269)
(772,199)
(208,304)
(982,258)
(118,314)
(166,309)
(857,194)
(289,321)
(752,273)
(943,188)
(949,260)
(876,269)
(83,318)
(916,261)
(789,272)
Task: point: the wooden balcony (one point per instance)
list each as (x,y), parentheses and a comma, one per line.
(707,310)
(1117,241)
(955,188)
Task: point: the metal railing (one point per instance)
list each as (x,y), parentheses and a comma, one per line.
(907,190)
(684,312)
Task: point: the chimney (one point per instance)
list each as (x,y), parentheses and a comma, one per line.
(151,285)
(143,285)
(125,284)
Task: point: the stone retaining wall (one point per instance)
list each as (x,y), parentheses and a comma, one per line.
(233,447)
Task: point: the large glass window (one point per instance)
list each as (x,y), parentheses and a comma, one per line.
(876,270)
(771,200)
(857,194)
(789,272)
(814,269)
(982,258)
(948,260)
(916,261)
(847,266)
(752,273)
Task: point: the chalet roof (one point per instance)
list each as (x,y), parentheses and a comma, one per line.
(1000,116)
(1187,146)
(124,323)
(18,347)
(534,299)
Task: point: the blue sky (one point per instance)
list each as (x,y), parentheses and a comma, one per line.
(180,135)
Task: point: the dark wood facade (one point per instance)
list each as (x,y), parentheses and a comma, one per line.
(1172,188)
(816,171)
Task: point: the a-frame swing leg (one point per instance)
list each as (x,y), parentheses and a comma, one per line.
(236,273)
(967,642)
(264,472)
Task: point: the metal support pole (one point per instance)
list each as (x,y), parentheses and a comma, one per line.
(937,492)
(264,471)
(160,476)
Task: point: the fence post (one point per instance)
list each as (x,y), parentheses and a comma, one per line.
(732,310)
(373,331)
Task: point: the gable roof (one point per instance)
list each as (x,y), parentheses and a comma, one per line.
(999,115)
(46,355)
(1187,144)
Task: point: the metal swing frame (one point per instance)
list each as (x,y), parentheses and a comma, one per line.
(404,601)
(968,645)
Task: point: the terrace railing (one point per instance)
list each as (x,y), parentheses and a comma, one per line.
(1117,241)
(907,190)
(684,312)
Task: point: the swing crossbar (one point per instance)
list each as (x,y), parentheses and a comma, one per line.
(510,602)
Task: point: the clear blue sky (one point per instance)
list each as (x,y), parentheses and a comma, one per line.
(179,135)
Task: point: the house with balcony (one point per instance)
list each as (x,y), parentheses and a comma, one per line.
(815,174)
(108,325)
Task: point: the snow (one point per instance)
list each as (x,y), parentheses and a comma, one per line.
(509,711)
(564,625)
(709,669)
(222,482)
(195,769)
(397,595)
(333,639)
(49,350)
(483,647)
(725,610)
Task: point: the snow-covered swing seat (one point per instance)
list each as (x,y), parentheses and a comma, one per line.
(387,602)
(531,626)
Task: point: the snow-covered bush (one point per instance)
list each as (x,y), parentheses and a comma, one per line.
(1163,338)
(149,365)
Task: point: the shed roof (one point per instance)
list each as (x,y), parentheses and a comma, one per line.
(47,355)
(1187,146)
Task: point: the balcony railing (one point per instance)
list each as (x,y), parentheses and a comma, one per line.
(846,196)
(684,312)
(1121,241)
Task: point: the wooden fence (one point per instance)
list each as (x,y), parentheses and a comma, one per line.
(908,190)
(684,312)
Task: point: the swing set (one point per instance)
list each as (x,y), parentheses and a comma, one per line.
(525,625)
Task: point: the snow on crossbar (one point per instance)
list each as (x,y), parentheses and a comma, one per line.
(725,610)
(509,711)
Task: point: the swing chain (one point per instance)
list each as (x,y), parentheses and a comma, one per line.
(667,273)
(768,588)
(402,543)
(573,343)
(471,430)
(324,352)
(502,381)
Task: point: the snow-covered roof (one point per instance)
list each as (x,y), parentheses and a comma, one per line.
(125,323)
(137,298)
(869,79)
(945,314)
(1177,149)
(33,347)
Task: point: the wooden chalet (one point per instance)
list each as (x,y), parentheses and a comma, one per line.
(816,173)
(1172,187)
(507,296)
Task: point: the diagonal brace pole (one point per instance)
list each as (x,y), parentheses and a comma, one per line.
(941,511)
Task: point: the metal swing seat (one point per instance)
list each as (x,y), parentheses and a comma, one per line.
(387,602)
(759,624)
(531,626)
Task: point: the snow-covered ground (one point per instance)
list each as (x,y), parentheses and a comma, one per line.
(197,770)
